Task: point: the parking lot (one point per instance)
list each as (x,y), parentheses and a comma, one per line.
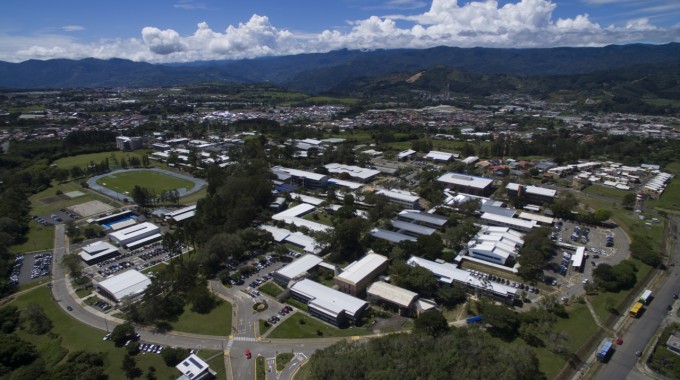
(27,268)
(139,259)
(56,217)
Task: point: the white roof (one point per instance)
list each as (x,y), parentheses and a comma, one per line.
(448,273)
(531,189)
(349,184)
(123,224)
(298,210)
(279,234)
(493,248)
(500,234)
(424,217)
(537,217)
(439,156)
(470,160)
(143,241)
(136,230)
(96,249)
(184,216)
(577,258)
(130,283)
(358,270)
(353,171)
(394,294)
(399,194)
(465,180)
(308,243)
(302,173)
(181,211)
(327,300)
(307,199)
(405,153)
(192,366)
(514,222)
(299,266)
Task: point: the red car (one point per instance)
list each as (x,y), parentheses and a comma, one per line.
(248,354)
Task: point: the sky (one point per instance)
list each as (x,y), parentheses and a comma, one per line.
(163,31)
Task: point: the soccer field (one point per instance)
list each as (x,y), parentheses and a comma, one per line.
(125,182)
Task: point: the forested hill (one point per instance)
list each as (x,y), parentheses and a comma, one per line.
(324,71)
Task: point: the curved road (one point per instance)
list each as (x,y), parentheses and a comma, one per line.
(234,347)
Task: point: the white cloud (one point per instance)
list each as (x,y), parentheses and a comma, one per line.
(72,28)
(190,5)
(523,23)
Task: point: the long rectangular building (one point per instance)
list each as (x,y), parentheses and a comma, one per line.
(304,178)
(296,269)
(401,198)
(504,221)
(467,184)
(129,236)
(532,194)
(403,299)
(355,277)
(356,173)
(328,304)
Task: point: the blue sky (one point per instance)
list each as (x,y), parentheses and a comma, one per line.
(187,30)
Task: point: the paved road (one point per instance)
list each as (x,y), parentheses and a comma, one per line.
(639,332)
(238,367)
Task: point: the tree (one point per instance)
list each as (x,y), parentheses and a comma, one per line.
(122,333)
(172,356)
(431,323)
(129,366)
(35,320)
(429,246)
(615,278)
(72,264)
(202,301)
(563,205)
(504,322)
(628,201)
(450,296)
(15,352)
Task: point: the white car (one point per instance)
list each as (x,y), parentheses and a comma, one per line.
(585,281)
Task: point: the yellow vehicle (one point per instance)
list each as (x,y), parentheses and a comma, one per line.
(636,309)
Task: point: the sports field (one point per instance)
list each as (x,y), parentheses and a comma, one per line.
(126,181)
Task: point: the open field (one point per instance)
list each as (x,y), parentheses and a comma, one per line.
(293,328)
(46,202)
(271,289)
(125,182)
(599,300)
(580,326)
(115,157)
(670,199)
(72,336)
(608,192)
(217,322)
(39,238)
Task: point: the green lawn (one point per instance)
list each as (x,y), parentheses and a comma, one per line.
(39,238)
(271,289)
(47,201)
(217,322)
(216,363)
(264,326)
(608,192)
(580,326)
(282,360)
(662,359)
(125,182)
(292,328)
(72,336)
(599,300)
(260,369)
(319,217)
(84,160)
(670,199)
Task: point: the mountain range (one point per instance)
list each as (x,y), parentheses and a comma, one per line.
(332,71)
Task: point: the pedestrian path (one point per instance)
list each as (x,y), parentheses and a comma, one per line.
(244,339)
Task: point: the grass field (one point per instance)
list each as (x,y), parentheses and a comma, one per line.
(608,192)
(670,199)
(73,336)
(39,238)
(599,300)
(84,160)
(282,360)
(580,326)
(292,328)
(271,289)
(260,369)
(125,182)
(217,322)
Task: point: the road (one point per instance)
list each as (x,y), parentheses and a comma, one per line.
(238,366)
(640,331)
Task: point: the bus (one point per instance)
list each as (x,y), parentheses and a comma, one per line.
(636,309)
(604,351)
(646,297)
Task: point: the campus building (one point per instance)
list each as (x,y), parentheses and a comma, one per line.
(328,304)
(401,198)
(467,184)
(504,221)
(194,368)
(128,143)
(137,235)
(127,284)
(402,299)
(296,270)
(309,180)
(530,193)
(97,252)
(355,173)
(358,275)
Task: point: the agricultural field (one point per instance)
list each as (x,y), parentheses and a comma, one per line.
(125,182)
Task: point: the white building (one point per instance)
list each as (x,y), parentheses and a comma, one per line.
(356,276)
(400,297)
(194,368)
(98,251)
(137,235)
(328,304)
(297,269)
(504,221)
(127,284)
(128,143)
(401,198)
(182,214)
(467,184)
(438,156)
(355,172)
